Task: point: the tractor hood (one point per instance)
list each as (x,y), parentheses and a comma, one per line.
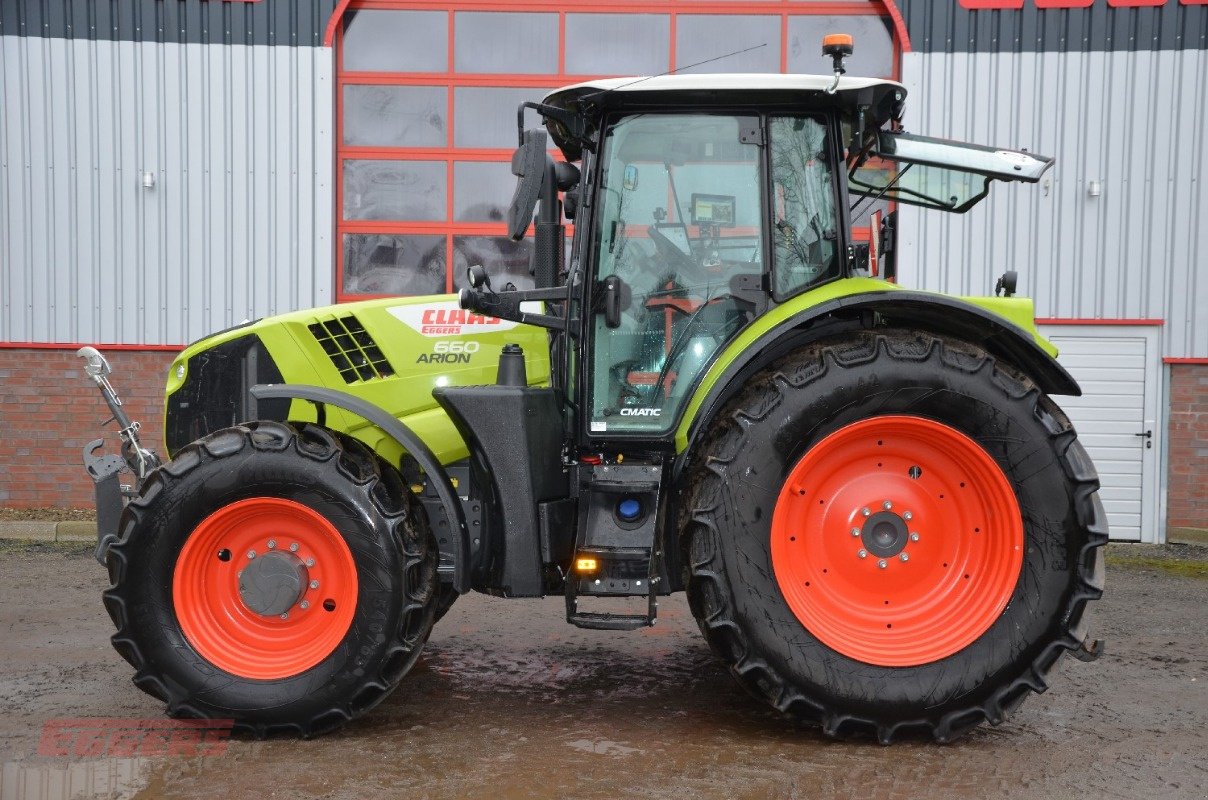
(391,352)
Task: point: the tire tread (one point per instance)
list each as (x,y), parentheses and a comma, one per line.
(710,599)
(415,542)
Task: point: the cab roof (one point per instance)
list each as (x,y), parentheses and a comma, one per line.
(590,99)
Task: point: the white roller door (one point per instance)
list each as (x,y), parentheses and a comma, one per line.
(1119,368)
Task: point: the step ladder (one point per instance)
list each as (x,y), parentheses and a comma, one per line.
(618,572)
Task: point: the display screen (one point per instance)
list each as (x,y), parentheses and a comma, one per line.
(712,209)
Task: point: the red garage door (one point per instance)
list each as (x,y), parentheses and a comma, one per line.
(427,96)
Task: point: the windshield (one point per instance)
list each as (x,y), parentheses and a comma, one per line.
(680,217)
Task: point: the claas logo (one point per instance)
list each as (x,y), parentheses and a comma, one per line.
(446,319)
(449,322)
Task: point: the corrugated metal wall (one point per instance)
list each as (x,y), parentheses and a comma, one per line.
(238,225)
(1133,121)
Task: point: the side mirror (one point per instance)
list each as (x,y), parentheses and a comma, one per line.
(528,165)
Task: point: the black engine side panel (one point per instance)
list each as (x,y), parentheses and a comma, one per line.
(215,392)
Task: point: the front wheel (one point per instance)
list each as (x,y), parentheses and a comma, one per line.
(278,576)
(892,532)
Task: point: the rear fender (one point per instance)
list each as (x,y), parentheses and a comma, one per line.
(995,324)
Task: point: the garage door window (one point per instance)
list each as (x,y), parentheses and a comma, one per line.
(426,109)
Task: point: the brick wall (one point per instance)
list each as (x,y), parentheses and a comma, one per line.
(1187,484)
(49,410)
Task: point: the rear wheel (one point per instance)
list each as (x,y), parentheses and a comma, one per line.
(892,532)
(281,577)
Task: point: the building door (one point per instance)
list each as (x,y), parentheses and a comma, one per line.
(1117,418)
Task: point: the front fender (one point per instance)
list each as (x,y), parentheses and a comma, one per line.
(1002,326)
(405,438)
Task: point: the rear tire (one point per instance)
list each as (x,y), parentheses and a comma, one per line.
(325,507)
(776,581)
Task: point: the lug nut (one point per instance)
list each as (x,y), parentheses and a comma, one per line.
(314,584)
(310,562)
(862,554)
(904,556)
(272,543)
(907,516)
(285,615)
(882,564)
(866,512)
(887,505)
(293,547)
(305,604)
(855,531)
(251,553)
(914,537)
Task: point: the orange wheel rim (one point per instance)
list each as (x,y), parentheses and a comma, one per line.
(220,619)
(897,541)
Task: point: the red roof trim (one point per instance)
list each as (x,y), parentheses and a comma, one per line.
(168,348)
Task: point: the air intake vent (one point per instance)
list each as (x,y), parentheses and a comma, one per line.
(351,349)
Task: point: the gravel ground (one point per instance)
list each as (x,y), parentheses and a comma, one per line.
(508,701)
(47,514)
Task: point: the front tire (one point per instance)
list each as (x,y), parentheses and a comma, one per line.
(278,576)
(892,532)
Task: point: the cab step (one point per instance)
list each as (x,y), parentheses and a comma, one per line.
(612,572)
(616,553)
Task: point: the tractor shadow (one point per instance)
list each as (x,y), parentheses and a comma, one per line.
(517,663)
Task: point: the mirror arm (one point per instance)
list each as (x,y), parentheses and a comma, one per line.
(507,305)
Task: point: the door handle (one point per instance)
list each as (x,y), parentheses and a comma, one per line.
(614,300)
(1148,435)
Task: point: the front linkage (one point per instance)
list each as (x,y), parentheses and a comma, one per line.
(104,469)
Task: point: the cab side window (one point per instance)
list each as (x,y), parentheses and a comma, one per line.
(803,204)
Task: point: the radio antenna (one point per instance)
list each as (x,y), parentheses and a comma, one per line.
(672,71)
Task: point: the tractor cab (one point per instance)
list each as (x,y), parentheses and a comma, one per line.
(700,203)
(713,233)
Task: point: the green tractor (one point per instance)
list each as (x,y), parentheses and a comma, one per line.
(882,520)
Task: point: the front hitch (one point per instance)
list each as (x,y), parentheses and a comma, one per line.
(104,469)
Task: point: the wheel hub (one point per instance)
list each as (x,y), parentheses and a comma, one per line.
(884,534)
(272,584)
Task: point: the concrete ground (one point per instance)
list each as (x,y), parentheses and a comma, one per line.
(508,701)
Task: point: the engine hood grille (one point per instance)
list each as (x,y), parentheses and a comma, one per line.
(353,352)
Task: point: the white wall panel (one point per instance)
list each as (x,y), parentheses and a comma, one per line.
(238,225)
(1134,121)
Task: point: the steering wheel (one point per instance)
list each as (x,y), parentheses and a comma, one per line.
(680,263)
